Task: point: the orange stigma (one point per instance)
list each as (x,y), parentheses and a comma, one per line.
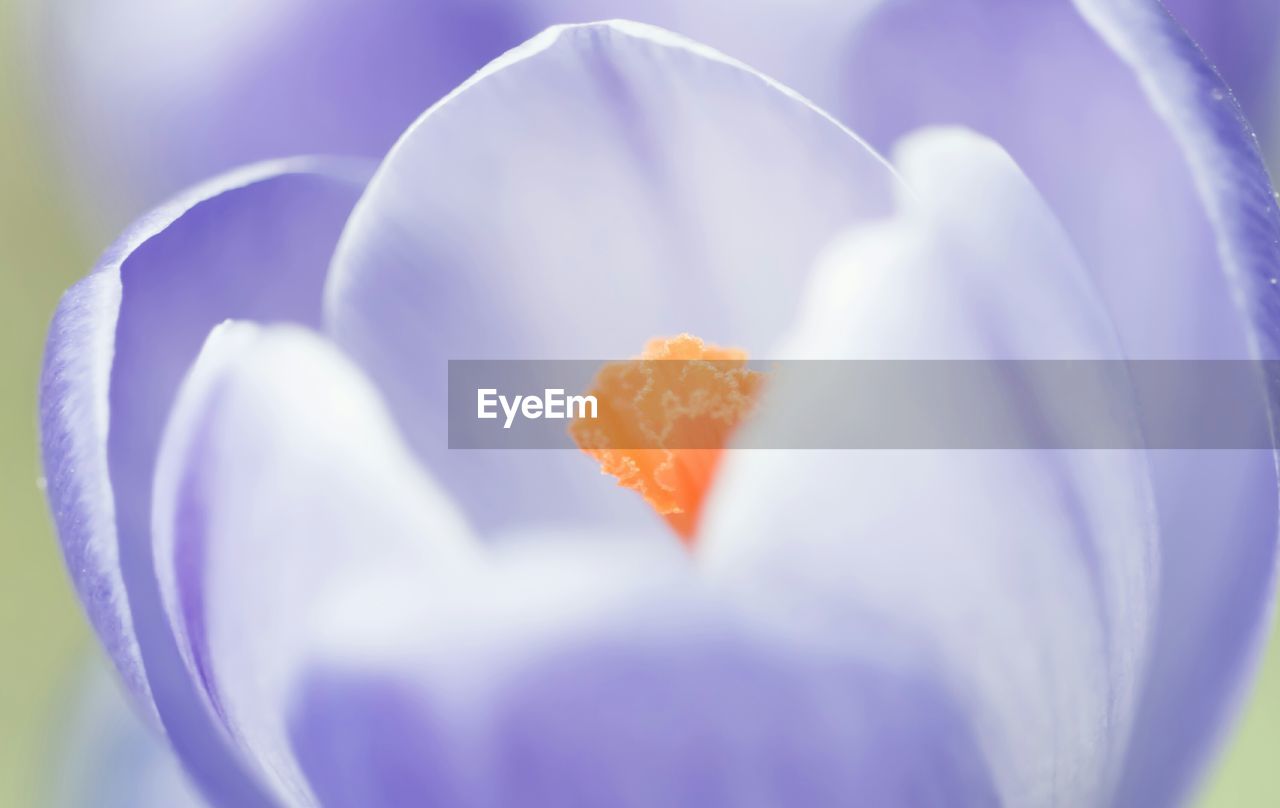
(662,425)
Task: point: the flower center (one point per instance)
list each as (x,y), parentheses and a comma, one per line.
(664,419)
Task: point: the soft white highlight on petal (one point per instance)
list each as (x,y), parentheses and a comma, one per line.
(280,477)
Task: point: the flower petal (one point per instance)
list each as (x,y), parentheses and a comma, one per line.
(299,543)
(595,187)
(586,675)
(1216,595)
(1239,39)
(1143,155)
(1028,576)
(207,87)
(254,243)
(280,474)
(1025,74)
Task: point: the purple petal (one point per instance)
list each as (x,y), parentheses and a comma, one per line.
(592,189)
(211,86)
(1118,176)
(1140,151)
(1239,38)
(281,476)
(572,676)
(204,87)
(1029,577)
(1216,594)
(73,431)
(320,585)
(253,244)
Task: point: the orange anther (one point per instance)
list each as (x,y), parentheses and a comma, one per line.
(662,425)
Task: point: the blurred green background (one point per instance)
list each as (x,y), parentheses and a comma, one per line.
(43,634)
(44,639)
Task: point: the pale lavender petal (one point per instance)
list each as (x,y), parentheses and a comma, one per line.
(300,546)
(1037,78)
(568,676)
(1218,511)
(1142,153)
(279,477)
(592,189)
(153,97)
(255,244)
(208,86)
(800,43)
(1028,576)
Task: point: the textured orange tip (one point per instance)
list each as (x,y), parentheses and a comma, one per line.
(662,425)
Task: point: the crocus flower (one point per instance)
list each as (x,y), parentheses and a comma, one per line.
(319,603)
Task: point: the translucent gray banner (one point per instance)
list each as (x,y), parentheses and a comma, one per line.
(1043,404)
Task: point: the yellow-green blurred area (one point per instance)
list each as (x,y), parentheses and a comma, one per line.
(43,635)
